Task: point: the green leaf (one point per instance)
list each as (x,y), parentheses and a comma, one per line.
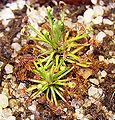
(78,37)
(59,94)
(50,17)
(32,87)
(65,73)
(74,57)
(59,73)
(54,95)
(49,60)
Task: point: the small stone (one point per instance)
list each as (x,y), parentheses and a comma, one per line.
(3,101)
(12,103)
(100,36)
(101,58)
(112,60)
(92,91)
(21,3)
(7,112)
(21,86)
(94,81)
(98,10)
(65,109)
(94,1)
(14,54)
(21,109)
(85,118)
(32,108)
(88,15)
(0,110)
(107,21)
(5,15)
(97,20)
(103,73)
(16,46)
(79,114)
(32,117)
(9,69)
(109,32)
(11,118)
(1,64)
(12,6)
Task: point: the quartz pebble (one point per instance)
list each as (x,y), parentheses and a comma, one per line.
(97,20)
(9,69)
(12,6)
(3,101)
(94,81)
(95,92)
(88,15)
(94,1)
(103,73)
(11,118)
(16,46)
(101,58)
(32,108)
(109,32)
(98,10)
(1,64)
(5,15)
(21,3)
(0,110)
(107,21)
(100,36)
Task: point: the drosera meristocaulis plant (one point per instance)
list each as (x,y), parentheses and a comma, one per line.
(56,60)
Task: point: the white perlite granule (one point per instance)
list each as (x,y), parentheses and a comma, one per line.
(97,20)
(16,46)
(103,73)
(88,15)
(100,36)
(98,10)
(107,21)
(94,81)
(3,101)
(6,15)
(9,69)
(94,1)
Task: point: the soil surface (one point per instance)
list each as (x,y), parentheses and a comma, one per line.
(100,76)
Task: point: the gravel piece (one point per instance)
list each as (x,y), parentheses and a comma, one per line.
(109,32)
(11,118)
(1,64)
(98,11)
(107,21)
(12,6)
(103,73)
(94,92)
(32,108)
(79,113)
(16,46)
(21,4)
(9,69)
(88,15)
(101,58)
(94,81)
(97,20)
(100,36)
(0,110)
(94,1)
(3,101)
(5,15)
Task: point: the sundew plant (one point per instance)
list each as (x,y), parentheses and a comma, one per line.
(56,59)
